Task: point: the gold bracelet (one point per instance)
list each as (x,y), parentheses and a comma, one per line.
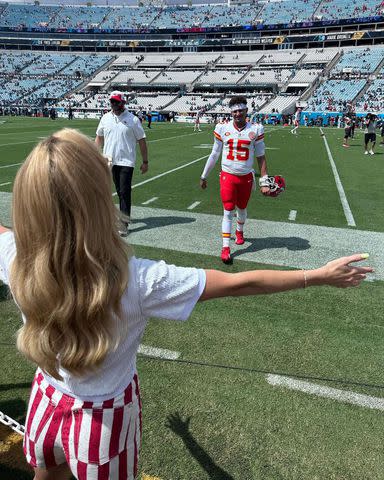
(305,278)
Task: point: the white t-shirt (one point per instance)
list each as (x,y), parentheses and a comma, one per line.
(154,289)
(240,146)
(121,133)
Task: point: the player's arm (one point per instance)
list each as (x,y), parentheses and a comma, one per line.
(144,155)
(211,162)
(99,140)
(337,273)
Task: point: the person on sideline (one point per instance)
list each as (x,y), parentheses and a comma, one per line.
(117,133)
(370,133)
(239,143)
(85,301)
(196,127)
(296,121)
(347,131)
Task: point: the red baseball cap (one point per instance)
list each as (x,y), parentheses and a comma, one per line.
(118,96)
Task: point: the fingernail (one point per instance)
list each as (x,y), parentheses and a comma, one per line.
(365,255)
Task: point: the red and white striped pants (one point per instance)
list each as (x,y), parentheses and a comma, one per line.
(99,441)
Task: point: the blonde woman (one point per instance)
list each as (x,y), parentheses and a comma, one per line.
(85,301)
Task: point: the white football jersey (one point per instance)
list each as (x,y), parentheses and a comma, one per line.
(240,147)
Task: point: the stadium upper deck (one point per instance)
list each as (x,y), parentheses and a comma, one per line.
(210,16)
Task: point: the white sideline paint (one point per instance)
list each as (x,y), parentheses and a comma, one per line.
(292,215)
(194,205)
(8,166)
(343,198)
(366,401)
(170,138)
(151,200)
(6,183)
(18,143)
(166,173)
(158,352)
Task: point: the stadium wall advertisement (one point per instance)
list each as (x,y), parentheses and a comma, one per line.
(202,44)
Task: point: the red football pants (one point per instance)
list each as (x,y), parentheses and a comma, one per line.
(235,190)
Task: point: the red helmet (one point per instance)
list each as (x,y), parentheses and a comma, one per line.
(276,185)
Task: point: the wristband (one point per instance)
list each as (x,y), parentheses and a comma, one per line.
(146,162)
(203,179)
(263,181)
(305,279)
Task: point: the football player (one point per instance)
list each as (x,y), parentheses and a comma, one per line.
(239,142)
(296,121)
(347,130)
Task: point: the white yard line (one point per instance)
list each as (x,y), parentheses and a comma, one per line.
(292,215)
(151,200)
(158,352)
(167,172)
(6,183)
(194,205)
(375,403)
(343,198)
(18,143)
(171,138)
(12,165)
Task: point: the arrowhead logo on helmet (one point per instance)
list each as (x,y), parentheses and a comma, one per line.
(276,185)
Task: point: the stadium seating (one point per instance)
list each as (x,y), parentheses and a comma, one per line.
(305,76)
(51,90)
(16,62)
(356,60)
(333,95)
(85,65)
(338,9)
(48,64)
(17,87)
(280,104)
(128,18)
(373,99)
(29,16)
(222,77)
(287,12)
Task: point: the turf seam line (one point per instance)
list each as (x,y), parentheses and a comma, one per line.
(264,372)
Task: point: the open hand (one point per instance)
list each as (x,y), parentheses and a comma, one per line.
(339,273)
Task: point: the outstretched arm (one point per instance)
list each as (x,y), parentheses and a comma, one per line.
(338,273)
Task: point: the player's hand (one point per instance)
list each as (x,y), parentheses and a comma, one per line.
(144,167)
(339,273)
(265,191)
(203,183)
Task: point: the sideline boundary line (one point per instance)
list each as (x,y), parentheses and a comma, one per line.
(361,400)
(166,173)
(343,198)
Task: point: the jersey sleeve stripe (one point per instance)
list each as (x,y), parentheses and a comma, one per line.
(260,137)
(218,136)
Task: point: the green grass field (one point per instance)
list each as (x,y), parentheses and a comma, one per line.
(214,413)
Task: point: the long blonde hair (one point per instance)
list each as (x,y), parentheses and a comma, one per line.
(71,266)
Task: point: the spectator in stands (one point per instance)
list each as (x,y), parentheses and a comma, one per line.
(118,132)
